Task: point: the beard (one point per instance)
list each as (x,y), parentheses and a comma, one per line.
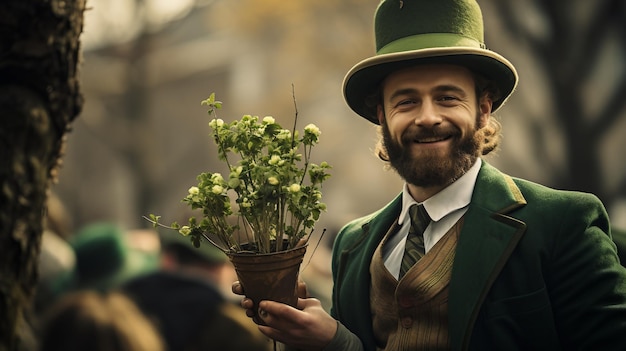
(431,168)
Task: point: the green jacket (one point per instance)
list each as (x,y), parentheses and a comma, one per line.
(619,237)
(534,270)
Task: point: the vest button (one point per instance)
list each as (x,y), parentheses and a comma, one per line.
(407,322)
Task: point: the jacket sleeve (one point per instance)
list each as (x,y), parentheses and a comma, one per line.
(586,283)
(344,340)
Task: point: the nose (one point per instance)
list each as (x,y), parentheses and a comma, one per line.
(427,116)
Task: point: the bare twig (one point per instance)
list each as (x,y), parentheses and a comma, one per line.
(315,249)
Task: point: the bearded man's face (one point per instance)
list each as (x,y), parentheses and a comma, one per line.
(432,123)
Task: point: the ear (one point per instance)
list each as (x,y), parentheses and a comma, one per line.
(484,110)
(380,114)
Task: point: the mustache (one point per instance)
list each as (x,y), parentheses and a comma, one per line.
(415,133)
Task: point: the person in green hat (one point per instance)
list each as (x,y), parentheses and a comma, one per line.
(465,257)
(105,259)
(186,300)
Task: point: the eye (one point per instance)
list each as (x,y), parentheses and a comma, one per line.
(448,98)
(406,102)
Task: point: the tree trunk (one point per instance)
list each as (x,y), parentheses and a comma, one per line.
(39,98)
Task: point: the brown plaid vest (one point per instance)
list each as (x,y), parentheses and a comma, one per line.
(412,314)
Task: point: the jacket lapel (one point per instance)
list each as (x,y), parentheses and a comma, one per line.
(486,241)
(353,310)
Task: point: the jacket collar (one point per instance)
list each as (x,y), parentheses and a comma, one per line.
(489,236)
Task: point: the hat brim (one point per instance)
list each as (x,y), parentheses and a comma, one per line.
(364,78)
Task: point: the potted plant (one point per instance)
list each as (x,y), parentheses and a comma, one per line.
(264,211)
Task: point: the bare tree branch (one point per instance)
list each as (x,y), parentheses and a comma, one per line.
(614,109)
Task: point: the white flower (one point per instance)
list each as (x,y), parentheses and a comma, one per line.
(217,189)
(216,122)
(313,129)
(284,134)
(269,120)
(272,180)
(233,179)
(194,190)
(217,178)
(294,188)
(185,230)
(275,159)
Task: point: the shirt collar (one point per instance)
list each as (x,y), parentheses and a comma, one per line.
(453,197)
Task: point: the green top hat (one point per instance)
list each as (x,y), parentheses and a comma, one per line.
(104,260)
(414,32)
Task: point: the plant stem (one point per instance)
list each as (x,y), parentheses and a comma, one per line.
(295,119)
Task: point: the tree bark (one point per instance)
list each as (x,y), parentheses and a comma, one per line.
(39,98)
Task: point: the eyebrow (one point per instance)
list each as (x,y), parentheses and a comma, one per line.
(437,89)
(450,88)
(406,91)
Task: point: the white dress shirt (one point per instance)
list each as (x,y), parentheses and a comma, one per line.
(444,208)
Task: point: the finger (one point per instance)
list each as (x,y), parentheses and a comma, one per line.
(248,306)
(250,313)
(270,324)
(277,315)
(280,316)
(237,288)
(247,303)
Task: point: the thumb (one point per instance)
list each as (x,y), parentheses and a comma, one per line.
(308,303)
(302,290)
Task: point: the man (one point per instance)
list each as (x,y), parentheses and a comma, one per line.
(503,263)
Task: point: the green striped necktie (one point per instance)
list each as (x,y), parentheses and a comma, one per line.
(414,249)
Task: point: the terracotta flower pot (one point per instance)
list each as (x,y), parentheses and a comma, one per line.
(272,276)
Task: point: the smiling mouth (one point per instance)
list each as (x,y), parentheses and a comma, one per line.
(431,139)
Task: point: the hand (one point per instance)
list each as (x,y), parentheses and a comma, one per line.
(307,328)
(248,304)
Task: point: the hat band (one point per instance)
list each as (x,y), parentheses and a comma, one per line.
(427,41)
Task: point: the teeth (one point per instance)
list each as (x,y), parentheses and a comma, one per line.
(431,140)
